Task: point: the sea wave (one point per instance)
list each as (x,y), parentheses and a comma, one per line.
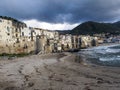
(113,50)
(106,55)
(109,59)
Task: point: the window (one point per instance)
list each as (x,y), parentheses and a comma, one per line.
(14,45)
(8,34)
(16,30)
(0,20)
(16,35)
(8,29)
(22,33)
(23,39)
(17,40)
(25,46)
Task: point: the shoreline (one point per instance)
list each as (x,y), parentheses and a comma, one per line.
(101,77)
(57,71)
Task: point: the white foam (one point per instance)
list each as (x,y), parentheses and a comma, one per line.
(118,56)
(104,47)
(104,53)
(113,50)
(109,59)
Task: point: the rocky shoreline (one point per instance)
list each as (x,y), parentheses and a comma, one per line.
(57,71)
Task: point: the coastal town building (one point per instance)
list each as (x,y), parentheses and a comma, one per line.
(16,37)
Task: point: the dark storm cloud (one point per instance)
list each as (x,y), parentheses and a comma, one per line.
(59,11)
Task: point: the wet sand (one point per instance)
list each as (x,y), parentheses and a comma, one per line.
(56,72)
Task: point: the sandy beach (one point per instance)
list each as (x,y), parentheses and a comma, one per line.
(57,71)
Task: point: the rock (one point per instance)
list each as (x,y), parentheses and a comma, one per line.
(31,84)
(99,82)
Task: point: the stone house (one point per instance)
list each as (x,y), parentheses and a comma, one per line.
(16,37)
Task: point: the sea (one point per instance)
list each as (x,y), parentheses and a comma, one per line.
(106,55)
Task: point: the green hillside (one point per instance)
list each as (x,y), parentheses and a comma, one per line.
(91,27)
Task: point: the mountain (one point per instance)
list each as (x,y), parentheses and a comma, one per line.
(117,24)
(91,27)
(63,32)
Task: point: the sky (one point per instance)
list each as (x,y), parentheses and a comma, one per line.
(60,14)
